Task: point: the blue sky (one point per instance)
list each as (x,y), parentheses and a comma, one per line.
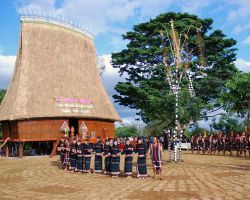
(108,19)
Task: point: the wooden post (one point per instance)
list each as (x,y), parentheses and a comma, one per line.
(53,152)
(7,150)
(72,132)
(20,150)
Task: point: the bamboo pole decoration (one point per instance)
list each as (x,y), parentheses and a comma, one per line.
(187,56)
(201,48)
(181,56)
(176,44)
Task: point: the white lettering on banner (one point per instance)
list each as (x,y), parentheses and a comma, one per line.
(73,105)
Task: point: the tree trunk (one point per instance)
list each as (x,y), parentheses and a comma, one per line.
(20,150)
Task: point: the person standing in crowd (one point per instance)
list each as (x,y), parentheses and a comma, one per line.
(62,150)
(98,148)
(156,152)
(72,155)
(141,149)
(210,141)
(66,162)
(249,144)
(198,143)
(215,141)
(129,152)
(203,143)
(224,143)
(79,156)
(231,143)
(237,144)
(107,155)
(87,150)
(243,144)
(219,143)
(120,144)
(192,141)
(115,159)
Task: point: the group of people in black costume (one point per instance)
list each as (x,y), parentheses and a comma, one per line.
(221,143)
(76,156)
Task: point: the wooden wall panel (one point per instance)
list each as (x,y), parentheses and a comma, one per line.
(35,130)
(49,129)
(101,128)
(6,129)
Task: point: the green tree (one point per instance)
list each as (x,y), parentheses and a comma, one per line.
(227,124)
(236,98)
(146,88)
(2,93)
(126,131)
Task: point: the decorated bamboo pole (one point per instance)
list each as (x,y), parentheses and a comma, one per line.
(175,71)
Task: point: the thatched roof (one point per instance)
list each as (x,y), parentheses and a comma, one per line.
(55,75)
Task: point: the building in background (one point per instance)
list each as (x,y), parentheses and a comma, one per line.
(55,80)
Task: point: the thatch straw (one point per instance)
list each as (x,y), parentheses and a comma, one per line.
(54,61)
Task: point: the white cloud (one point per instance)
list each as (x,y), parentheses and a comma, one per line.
(109,69)
(241,11)
(243,65)
(131,121)
(118,42)
(6,69)
(95,14)
(247,40)
(194,6)
(240,28)
(104,16)
(1,50)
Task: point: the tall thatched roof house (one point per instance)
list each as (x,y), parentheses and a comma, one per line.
(55,80)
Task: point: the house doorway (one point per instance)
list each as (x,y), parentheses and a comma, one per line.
(74,122)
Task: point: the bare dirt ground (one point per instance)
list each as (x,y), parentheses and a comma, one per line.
(198,177)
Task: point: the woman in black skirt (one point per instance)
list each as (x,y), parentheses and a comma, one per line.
(115,160)
(79,156)
(141,149)
(98,148)
(73,155)
(129,152)
(107,155)
(87,150)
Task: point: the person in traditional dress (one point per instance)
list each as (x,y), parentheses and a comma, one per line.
(219,143)
(107,155)
(73,155)
(231,143)
(248,145)
(237,144)
(215,143)
(203,144)
(115,159)
(98,148)
(224,143)
(192,143)
(243,144)
(141,167)
(210,143)
(87,150)
(62,150)
(66,162)
(156,152)
(79,156)
(198,144)
(128,152)
(120,144)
